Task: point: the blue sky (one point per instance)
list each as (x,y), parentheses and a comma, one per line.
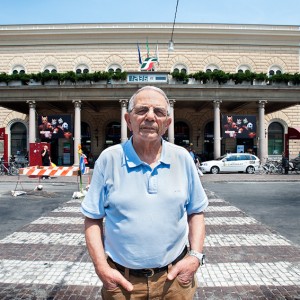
(278,12)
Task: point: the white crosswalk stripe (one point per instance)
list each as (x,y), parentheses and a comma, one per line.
(243,274)
(238,240)
(230,221)
(208,220)
(221,209)
(212,240)
(71,239)
(210,275)
(59,220)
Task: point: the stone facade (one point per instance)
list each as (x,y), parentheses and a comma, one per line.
(197,46)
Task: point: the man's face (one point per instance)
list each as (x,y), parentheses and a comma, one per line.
(148,120)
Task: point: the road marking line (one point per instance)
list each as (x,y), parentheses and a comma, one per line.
(212,240)
(230,221)
(210,275)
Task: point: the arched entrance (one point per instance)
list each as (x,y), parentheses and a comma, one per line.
(112,134)
(208,151)
(18,139)
(275,139)
(182,134)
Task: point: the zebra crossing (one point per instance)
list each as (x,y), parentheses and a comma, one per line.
(47,259)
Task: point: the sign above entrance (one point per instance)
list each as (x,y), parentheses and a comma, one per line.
(147,77)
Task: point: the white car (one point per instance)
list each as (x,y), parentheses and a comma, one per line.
(232,162)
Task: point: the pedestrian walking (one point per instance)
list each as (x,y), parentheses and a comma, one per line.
(46,159)
(285,164)
(150,194)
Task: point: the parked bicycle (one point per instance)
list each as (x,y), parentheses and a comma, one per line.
(270,167)
(21,161)
(9,168)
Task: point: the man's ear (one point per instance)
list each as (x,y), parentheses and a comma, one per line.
(128,121)
(168,122)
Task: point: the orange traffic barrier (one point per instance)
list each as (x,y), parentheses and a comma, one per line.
(51,171)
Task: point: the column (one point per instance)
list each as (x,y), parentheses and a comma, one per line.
(217,131)
(262,151)
(124,137)
(77,130)
(171,135)
(32,123)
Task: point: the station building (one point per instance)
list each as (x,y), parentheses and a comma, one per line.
(90,113)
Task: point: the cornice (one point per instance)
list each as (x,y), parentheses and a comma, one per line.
(130,33)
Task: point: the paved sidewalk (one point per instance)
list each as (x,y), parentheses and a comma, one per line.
(47,258)
(206,177)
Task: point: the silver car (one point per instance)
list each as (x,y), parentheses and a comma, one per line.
(232,162)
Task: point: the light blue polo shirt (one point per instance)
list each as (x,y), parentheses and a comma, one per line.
(145,209)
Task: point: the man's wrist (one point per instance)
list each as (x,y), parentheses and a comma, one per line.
(200,256)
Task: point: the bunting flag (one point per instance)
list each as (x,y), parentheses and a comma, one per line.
(148,63)
(139,53)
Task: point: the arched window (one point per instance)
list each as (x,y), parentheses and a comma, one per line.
(112,134)
(180,68)
(243,68)
(212,68)
(18,70)
(114,68)
(275,70)
(275,139)
(50,69)
(82,69)
(182,134)
(18,136)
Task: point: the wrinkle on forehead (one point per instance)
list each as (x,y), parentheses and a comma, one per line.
(150,98)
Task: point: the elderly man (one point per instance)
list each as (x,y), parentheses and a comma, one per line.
(150,195)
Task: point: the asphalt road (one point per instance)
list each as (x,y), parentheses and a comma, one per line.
(15,212)
(275,204)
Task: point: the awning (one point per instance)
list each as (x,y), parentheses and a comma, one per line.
(294,133)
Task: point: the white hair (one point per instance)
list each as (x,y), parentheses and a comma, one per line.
(148,87)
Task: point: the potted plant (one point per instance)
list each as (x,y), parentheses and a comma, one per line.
(49,78)
(35,79)
(246,77)
(83,78)
(68,78)
(260,79)
(18,79)
(3,79)
(180,76)
(100,77)
(280,79)
(119,76)
(200,76)
(218,76)
(295,79)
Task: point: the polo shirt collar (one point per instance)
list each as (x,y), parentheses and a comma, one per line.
(132,159)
